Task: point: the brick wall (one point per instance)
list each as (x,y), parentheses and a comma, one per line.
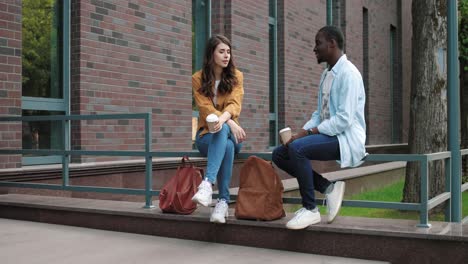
(379,78)
(381,15)
(299,73)
(10,80)
(339,14)
(135,56)
(218,16)
(249,35)
(245,23)
(406,65)
(132,57)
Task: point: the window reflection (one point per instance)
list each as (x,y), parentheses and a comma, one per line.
(42,134)
(42,48)
(42,74)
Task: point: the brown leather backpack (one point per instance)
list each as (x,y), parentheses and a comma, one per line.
(176,195)
(260,194)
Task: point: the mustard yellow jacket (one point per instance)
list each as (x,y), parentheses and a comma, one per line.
(231,103)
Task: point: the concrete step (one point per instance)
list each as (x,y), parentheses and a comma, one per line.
(396,241)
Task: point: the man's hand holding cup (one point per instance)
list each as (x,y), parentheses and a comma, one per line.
(285,135)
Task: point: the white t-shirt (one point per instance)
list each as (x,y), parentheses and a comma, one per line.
(327,83)
(215,97)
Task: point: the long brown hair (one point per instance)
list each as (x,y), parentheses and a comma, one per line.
(228,76)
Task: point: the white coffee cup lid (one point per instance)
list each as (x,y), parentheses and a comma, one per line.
(212,118)
(285,129)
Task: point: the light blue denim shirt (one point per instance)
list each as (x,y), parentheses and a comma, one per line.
(347,100)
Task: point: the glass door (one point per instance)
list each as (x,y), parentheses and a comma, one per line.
(44,82)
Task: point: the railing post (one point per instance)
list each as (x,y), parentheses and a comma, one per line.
(148,163)
(454,108)
(448,188)
(423,212)
(65,156)
(66,90)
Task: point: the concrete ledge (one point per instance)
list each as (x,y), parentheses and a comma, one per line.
(397,241)
(347,174)
(359,179)
(54,171)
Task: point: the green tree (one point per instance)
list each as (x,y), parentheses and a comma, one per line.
(38,18)
(428,107)
(463,32)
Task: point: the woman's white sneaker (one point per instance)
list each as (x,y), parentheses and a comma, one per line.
(204,193)
(220,212)
(304,218)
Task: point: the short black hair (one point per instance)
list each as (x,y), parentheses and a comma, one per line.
(332,32)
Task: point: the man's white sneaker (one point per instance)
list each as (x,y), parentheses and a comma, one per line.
(334,200)
(303,219)
(220,212)
(204,193)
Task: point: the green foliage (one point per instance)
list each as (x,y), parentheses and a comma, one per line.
(391,193)
(463,31)
(37,32)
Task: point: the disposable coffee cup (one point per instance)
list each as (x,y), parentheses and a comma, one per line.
(211,121)
(285,134)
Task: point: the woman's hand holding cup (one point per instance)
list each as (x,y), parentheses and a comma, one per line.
(213,124)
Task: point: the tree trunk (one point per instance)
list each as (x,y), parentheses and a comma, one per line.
(428,112)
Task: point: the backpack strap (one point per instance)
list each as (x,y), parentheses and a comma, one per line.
(186,161)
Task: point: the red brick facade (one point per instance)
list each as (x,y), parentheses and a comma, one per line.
(379,90)
(406,65)
(136,57)
(10,80)
(132,57)
(298,71)
(249,35)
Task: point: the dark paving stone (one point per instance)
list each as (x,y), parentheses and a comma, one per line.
(397,241)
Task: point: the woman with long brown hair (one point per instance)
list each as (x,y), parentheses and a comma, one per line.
(218,89)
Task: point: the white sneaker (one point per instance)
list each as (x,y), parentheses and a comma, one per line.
(334,200)
(303,219)
(204,193)
(220,212)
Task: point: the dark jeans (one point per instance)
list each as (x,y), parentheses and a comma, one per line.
(295,160)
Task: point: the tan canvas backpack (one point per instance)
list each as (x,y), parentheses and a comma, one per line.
(260,194)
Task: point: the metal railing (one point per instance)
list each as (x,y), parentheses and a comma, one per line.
(464,187)
(67,152)
(422,207)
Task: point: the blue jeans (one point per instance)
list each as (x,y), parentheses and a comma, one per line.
(295,160)
(220,149)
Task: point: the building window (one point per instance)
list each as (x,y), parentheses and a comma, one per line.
(365,72)
(44,85)
(273,73)
(336,15)
(395,88)
(201,31)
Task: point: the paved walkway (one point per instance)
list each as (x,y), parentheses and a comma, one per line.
(39,243)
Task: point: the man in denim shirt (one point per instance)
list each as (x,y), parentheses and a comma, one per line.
(336,131)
